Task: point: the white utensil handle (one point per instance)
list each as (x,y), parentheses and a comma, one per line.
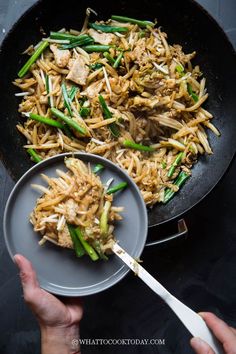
(192,321)
(140,272)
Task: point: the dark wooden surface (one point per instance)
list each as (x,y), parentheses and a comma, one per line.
(201,270)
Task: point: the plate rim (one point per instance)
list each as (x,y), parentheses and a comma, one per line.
(124,270)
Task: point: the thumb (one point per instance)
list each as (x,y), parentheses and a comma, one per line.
(28,276)
(200,347)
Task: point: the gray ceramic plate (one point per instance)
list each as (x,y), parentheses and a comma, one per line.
(58,270)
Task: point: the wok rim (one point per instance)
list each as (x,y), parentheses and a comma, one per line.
(232,51)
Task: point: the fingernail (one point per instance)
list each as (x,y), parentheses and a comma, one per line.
(198,343)
(16,259)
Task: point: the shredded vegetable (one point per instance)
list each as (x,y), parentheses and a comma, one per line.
(68,211)
(35,157)
(32,59)
(117,188)
(106,28)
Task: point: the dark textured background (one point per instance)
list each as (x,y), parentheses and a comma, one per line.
(200,271)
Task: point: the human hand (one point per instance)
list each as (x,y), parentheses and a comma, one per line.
(225,334)
(58,320)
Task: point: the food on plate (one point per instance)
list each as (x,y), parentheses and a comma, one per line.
(118,89)
(76,210)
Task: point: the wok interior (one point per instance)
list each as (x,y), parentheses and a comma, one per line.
(185,24)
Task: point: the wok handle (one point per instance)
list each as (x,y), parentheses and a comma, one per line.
(182,231)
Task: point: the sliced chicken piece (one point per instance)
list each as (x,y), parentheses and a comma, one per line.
(94,89)
(64,239)
(71,63)
(71,210)
(102,38)
(62,57)
(145,102)
(79,71)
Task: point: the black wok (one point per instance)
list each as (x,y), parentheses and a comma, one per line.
(187,24)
